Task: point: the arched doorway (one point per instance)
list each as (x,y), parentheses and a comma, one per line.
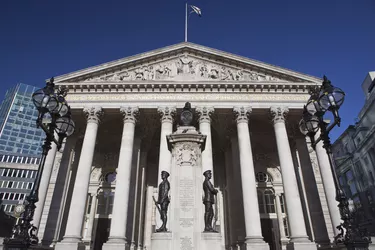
(272,212)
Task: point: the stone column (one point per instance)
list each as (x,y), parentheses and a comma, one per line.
(204,114)
(254,238)
(73,230)
(167,115)
(328,184)
(280,217)
(117,238)
(91,216)
(44,182)
(293,200)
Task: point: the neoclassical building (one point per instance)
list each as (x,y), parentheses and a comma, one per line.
(273,189)
(354,153)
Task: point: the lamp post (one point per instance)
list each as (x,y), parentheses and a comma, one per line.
(51,105)
(330,98)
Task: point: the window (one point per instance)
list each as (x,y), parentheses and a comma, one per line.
(1,196)
(10,183)
(11,196)
(282,203)
(5,184)
(16,196)
(350,183)
(29,185)
(286,227)
(6,196)
(22,196)
(269,198)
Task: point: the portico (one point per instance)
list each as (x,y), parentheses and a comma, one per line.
(247,109)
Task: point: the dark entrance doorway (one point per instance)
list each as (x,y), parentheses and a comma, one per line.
(102,232)
(271,233)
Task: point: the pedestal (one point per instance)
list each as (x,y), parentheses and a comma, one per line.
(70,246)
(186,207)
(211,241)
(162,241)
(301,246)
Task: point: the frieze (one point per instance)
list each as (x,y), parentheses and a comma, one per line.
(183,97)
(184,67)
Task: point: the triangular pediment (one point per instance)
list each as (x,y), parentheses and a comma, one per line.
(185,62)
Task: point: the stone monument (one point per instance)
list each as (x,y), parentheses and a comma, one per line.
(186,224)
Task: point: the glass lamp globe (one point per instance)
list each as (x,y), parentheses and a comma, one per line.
(302,127)
(330,97)
(45,101)
(63,106)
(65,125)
(312,124)
(313,106)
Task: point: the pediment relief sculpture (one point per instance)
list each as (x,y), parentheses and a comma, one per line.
(185,68)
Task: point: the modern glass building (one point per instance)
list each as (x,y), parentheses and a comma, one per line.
(18,133)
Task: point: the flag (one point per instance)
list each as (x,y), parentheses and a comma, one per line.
(196,10)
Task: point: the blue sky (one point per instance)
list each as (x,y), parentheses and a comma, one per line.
(44,38)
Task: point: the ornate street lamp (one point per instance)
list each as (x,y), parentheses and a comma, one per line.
(330,98)
(51,106)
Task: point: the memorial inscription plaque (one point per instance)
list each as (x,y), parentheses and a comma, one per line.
(186,203)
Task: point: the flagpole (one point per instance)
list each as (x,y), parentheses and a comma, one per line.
(186,21)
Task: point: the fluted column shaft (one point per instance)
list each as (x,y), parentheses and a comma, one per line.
(250,198)
(166,117)
(204,114)
(291,194)
(44,183)
(81,185)
(121,199)
(328,184)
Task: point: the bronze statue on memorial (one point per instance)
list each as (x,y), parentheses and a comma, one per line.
(163,200)
(208,201)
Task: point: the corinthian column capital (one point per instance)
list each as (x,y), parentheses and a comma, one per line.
(278,114)
(204,113)
(167,114)
(93,114)
(242,114)
(130,114)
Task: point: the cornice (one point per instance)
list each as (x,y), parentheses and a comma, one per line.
(187,86)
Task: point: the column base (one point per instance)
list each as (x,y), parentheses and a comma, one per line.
(70,245)
(161,241)
(307,245)
(115,244)
(211,241)
(256,243)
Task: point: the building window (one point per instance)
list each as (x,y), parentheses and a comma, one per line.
(110,177)
(286,227)
(269,198)
(1,196)
(10,183)
(348,182)
(282,203)
(261,202)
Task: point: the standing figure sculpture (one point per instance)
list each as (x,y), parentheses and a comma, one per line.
(208,201)
(163,200)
